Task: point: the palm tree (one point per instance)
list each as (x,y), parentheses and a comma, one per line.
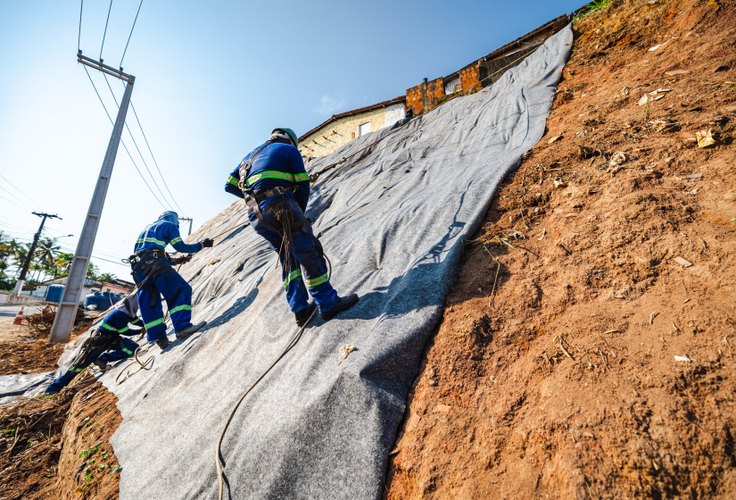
(106,277)
(20,252)
(4,246)
(46,253)
(92,271)
(62,263)
(5,254)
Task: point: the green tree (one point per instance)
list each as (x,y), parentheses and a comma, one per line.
(106,277)
(92,271)
(62,264)
(45,256)
(19,251)
(5,254)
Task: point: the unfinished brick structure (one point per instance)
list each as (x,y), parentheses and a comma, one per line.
(480,73)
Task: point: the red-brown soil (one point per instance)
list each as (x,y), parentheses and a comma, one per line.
(57,447)
(554,370)
(28,356)
(30,351)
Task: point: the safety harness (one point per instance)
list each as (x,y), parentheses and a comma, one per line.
(254,197)
(150,263)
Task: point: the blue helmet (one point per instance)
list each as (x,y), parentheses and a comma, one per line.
(170,216)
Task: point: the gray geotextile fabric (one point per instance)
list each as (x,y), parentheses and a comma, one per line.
(392,218)
(26,384)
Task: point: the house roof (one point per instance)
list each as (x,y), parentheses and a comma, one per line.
(384,104)
(550,26)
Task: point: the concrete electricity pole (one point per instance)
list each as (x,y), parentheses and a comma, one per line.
(29,257)
(190,223)
(67,312)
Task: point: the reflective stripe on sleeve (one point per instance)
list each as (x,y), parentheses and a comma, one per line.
(301,177)
(233,180)
(108,327)
(311,283)
(175,241)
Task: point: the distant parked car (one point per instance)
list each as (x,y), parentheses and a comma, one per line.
(100,301)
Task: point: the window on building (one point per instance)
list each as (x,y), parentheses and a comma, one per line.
(452,86)
(364,128)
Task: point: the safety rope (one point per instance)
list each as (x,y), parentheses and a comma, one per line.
(218,450)
(143,365)
(294,340)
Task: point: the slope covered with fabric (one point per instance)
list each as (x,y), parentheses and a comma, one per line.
(392,219)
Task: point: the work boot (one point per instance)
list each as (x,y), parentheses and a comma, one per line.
(102,365)
(189,330)
(163,343)
(303,316)
(342,304)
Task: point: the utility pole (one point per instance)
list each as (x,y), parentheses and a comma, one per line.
(190,223)
(29,257)
(67,312)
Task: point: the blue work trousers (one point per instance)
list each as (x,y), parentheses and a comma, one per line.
(305,252)
(126,348)
(178,296)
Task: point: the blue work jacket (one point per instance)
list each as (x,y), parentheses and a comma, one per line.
(118,322)
(278,164)
(162,233)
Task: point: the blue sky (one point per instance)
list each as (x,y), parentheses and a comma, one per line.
(212,80)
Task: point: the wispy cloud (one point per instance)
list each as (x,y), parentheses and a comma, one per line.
(329,105)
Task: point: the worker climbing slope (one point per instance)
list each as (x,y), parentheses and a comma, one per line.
(275,185)
(154,276)
(105,344)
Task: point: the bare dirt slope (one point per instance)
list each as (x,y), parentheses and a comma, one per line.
(57,447)
(588,347)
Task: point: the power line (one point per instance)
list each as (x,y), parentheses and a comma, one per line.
(154,159)
(123,143)
(24,203)
(17,188)
(131,33)
(104,35)
(79,32)
(97,257)
(135,143)
(15,228)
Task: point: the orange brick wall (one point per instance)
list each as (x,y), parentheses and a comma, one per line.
(470,78)
(414,99)
(435,90)
(482,72)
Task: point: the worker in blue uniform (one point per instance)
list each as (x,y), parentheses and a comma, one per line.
(154,276)
(105,344)
(275,185)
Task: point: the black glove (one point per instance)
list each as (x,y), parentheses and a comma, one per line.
(181,260)
(208,242)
